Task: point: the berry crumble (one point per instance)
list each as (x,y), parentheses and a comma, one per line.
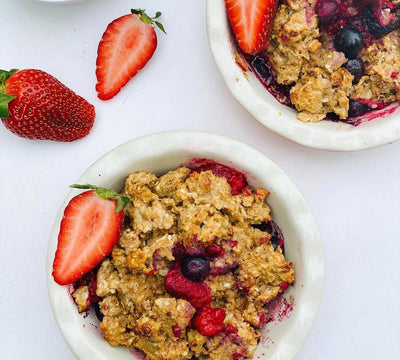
(332,59)
(198,261)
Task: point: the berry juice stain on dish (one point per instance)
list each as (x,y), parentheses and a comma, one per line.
(333,60)
(279,309)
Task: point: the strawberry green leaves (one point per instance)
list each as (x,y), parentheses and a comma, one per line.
(104,193)
(4,75)
(4,101)
(4,98)
(149,20)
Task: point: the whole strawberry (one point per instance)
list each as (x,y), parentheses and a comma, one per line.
(35,105)
(126,46)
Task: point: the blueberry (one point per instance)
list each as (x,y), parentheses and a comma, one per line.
(355,68)
(264,226)
(356,108)
(261,67)
(350,41)
(195,267)
(327,11)
(97,311)
(275,242)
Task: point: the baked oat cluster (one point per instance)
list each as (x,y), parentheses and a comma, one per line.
(198,260)
(338,58)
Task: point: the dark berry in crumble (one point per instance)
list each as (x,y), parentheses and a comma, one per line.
(357,109)
(97,311)
(178,251)
(327,11)
(264,71)
(356,68)
(380,28)
(276,242)
(195,267)
(277,239)
(261,67)
(349,40)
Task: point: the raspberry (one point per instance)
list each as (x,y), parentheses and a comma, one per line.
(208,321)
(177,285)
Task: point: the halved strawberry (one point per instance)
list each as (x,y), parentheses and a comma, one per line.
(251,22)
(126,46)
(89,230)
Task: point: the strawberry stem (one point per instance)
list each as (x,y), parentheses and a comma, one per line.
(149,20)
(105,194)
(4,98)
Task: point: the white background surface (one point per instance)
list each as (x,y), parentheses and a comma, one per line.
(355,196)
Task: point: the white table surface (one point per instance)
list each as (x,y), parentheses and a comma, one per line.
(354,196)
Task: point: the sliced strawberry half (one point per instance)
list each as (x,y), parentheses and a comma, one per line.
(251,22)
(126,46)
(89,230)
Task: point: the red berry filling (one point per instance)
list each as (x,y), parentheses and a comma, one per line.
(217,271)
(284,286)
(209,321)
(89,280)
(177,331)
(240,286)
(235,178)
(261,320)
(214,251)
(230,329)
